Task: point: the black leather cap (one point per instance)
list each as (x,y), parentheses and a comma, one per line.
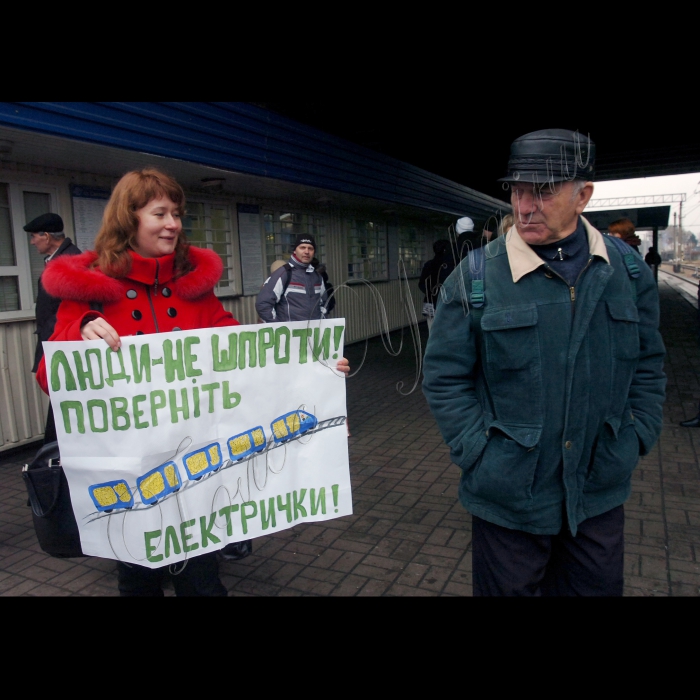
(49,223)
(551,155)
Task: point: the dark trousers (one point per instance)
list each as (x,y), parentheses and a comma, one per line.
(199,578)
(514,563)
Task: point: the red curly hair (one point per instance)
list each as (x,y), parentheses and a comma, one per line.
(120,222)
(623,227)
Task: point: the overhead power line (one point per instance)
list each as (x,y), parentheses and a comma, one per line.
(635,201)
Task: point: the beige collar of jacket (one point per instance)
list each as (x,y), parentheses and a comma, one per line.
(523,259)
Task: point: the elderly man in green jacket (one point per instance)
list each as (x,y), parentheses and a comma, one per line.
(544,371)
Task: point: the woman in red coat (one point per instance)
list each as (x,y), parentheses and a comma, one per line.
(145,278)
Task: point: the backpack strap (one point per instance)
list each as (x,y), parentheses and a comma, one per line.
(476,269)
(629,256)
(287,280)
(477,295)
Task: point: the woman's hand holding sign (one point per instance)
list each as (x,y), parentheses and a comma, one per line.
(99,328)
(343,366)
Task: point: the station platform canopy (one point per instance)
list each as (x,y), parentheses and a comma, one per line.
(643,218)
(472,147)
(265,152)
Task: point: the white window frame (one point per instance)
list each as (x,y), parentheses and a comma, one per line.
(22,268)
(384,263)
(276,212)
(234,267)
(418,248)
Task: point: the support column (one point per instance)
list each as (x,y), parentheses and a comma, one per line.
(655,243)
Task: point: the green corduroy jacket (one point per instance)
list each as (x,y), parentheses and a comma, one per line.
(550,397)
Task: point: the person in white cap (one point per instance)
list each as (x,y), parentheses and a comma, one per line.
(464,224)
(467,238)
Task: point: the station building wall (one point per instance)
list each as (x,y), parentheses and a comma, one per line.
(356,247)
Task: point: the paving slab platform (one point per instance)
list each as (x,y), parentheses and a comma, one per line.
(408,535)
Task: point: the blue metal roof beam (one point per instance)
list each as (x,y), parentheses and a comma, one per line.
(242,138)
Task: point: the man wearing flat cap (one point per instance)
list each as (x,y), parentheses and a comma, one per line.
(48,238)
(547,382)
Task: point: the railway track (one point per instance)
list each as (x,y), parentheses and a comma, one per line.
(686,287)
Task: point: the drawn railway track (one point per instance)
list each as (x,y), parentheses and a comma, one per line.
(229,463)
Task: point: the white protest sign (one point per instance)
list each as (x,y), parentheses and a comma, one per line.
(183,442)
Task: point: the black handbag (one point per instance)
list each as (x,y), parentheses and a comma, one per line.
(52,510)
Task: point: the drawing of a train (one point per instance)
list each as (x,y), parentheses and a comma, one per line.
(158,483)
(245,444)
(291,425)
(165,479)
(203,461)
(111,495)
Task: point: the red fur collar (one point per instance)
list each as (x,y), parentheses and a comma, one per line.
(207,272)
(70,277)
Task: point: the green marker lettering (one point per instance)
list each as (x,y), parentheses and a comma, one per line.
(97,403)
(148,536)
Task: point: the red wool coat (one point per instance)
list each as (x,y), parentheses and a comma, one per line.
(147,301)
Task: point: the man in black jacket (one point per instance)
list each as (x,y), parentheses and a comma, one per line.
(48,238)
(432,277)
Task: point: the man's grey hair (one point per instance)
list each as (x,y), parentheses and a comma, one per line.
(578,186)
(57,235)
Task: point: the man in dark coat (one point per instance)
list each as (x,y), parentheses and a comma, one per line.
(652,258)
(551,386)
(433,276)
(48,238)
